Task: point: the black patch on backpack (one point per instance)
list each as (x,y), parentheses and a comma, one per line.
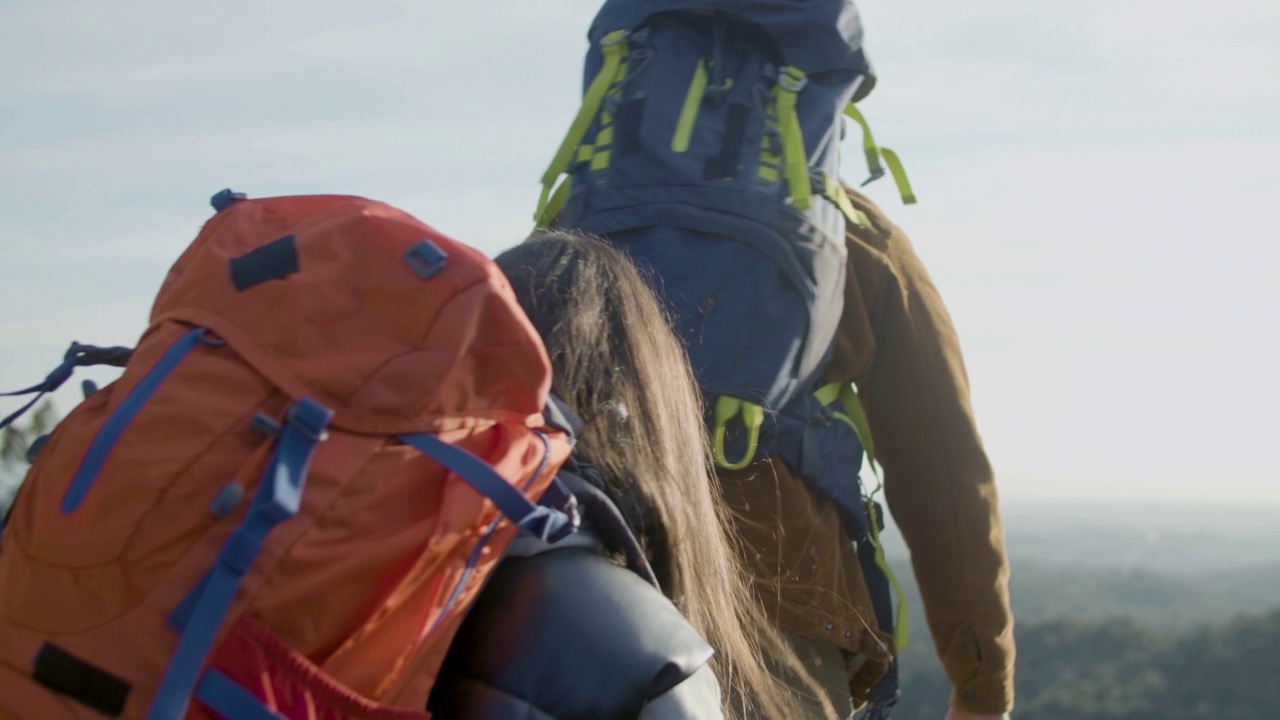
(725,165)
(274,261)
(68,675)
(630,118)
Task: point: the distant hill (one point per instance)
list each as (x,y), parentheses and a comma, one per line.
(1164,537)
(1129,614)
(1125,670)
(1045,591)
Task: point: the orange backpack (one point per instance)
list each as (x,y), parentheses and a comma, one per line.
(316,454)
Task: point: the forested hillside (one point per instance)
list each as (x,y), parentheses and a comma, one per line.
(1130,618)
(1122,669)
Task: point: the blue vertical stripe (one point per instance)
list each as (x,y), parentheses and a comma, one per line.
(276,500)
(115,426)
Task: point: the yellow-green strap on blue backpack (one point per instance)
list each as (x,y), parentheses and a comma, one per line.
(875,152)
(856,417)
(614,48)
(795,160)
(835,192)
(689,110)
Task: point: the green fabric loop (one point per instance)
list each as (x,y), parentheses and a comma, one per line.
(727,408)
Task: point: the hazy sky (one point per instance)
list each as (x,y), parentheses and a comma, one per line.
(1097,178)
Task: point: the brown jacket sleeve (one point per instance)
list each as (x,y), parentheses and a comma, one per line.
(897,343)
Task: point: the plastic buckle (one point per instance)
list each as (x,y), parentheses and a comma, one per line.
(614,38)
(573,519)
(875,175)
(561,522)
(310,418)
(225,198)
(790,82)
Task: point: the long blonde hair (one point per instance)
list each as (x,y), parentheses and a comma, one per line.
(617,363)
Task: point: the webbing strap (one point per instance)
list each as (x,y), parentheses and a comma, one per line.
(225,696)
(875,152)
(689,110)
(109,434)
(549,524)
(22,410)
(278,498)
(885,692)
(853,416)
(828,393)
(868,143)
(76,356)
(554,206)
(899,176)
(902,610)
(856,417)
(614,48)
(795,160)
(834,191)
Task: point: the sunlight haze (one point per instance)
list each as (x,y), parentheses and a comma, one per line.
(1097,184)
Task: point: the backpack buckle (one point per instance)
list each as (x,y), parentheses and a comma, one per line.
(614,38)
(573,521)
(563,517)
(792,79)
(310,418)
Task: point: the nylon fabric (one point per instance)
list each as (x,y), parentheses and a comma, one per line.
(712,189)
(390,539)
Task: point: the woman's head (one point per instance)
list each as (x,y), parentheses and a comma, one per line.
(617,363)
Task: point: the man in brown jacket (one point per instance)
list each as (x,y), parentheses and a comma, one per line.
(896,343)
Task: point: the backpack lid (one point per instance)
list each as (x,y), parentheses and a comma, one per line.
(814,35)
(394,326)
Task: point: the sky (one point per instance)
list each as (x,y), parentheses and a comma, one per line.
(1097,181)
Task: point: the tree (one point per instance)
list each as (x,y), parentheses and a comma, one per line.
(16,441)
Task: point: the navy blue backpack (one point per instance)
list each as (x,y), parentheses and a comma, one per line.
(707,147)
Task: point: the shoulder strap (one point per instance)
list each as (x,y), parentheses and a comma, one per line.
(547,523)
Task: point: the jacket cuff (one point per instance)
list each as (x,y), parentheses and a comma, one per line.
(980,666)
(989,695)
